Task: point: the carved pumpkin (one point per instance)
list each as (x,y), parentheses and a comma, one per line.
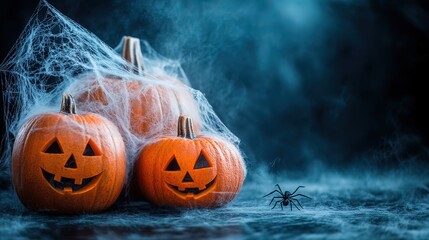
(68,163)
(145,109)
(189,171)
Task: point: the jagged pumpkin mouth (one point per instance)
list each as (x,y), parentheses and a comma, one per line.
(70,185)
(192,191)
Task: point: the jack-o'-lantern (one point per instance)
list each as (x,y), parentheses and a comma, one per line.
(68,163)
(190,171)
(145,108)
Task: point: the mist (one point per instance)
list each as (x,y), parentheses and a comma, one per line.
(337,84)
(329,95)
(302,84)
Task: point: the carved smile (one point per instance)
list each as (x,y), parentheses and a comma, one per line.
(70,184)
(194,191)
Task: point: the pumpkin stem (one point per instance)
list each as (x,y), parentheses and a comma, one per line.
(131,51)
(68,105)
(185,128)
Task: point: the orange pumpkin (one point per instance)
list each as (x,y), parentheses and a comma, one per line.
(68,163)
(148,109)
(189,171)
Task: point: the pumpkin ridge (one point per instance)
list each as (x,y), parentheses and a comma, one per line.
(112,194)
(161,152)
(179,107)
(219,153)
(238,161)
(160,103)
(228,164)
(79,118)
(107,129)
(21,150)
(59,119)
(91,120)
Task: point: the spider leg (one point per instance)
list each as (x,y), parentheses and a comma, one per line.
(273,192)
(273,200)
(281,205)
(297,189)
(298,202)
(295,205)
(302,195)
(275,204)
(279,188)
(290,207)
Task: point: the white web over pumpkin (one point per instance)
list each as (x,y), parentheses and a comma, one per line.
(55,55)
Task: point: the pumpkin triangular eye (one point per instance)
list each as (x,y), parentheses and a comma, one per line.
(88,151)
(173,165)
(202,162)
(54,148)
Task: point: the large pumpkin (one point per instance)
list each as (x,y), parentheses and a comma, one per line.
(189,171)
(145,108)
(68,163)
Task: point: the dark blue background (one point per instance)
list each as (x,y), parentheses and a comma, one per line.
(306,85)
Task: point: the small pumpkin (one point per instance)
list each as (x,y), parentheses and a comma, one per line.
(190,171)
(146,109)
(68,163)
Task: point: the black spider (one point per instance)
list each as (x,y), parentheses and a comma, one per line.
(287,198)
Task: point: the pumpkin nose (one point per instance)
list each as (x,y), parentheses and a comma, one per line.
(187,178)
(71,163)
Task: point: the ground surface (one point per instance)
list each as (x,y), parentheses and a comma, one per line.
(339,210)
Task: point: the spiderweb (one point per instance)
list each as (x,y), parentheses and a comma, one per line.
(55,55)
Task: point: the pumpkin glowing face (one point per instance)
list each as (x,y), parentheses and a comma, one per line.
(191,178)
(68,163)
(61,170)
(185,171)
